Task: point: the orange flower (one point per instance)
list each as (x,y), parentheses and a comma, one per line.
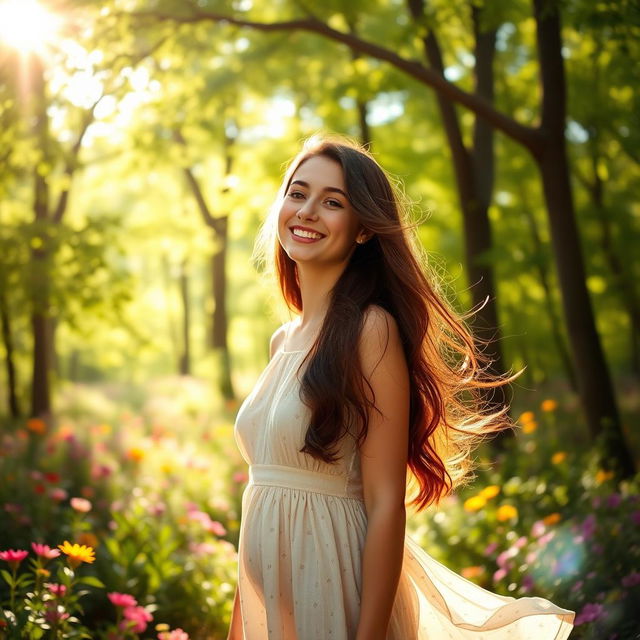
(549,405)
(527,416)
(89,539)
(506,512)
(475,503)
(136,454)
(490,492)
(77,553)
(529,427)
(552,518)
(37,425)
(472,572)
(603,476)
(558,457)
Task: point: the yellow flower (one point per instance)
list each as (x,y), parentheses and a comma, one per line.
(529,427)
(490,492)
(472,572)
(77,553)
(527,416)
(552,518)
(475,503)
(558,457)
(136,454)
(506,512)
(549,405)
(603,476)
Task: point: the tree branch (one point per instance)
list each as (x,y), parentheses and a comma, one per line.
(527,136)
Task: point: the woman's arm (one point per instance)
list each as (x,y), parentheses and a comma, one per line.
(235,628)
(384,463)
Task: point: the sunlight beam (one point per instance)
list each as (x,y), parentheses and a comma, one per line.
(26,25)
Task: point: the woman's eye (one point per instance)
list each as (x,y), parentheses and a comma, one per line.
(296,195)
(334,203)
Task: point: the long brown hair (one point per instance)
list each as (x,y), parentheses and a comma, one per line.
(447,370)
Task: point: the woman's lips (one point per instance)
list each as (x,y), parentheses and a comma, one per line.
(302,234)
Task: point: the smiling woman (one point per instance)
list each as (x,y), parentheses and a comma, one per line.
(26,25)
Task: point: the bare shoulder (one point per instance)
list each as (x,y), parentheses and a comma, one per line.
(380,338)
(277,339)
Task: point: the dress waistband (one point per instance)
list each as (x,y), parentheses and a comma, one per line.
(275,475)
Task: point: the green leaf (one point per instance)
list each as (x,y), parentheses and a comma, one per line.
(92,581)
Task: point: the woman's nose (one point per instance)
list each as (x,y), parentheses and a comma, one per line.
(307,210)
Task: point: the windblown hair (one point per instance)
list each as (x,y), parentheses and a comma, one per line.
(447,371)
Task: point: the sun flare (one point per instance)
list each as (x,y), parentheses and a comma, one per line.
(26,25)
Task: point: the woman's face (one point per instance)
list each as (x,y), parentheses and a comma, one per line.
(316,223)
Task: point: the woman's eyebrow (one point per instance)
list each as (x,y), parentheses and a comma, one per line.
(302,183)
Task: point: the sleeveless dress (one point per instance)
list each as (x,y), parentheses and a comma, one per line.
(302,534)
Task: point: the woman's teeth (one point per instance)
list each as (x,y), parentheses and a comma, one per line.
(306,234)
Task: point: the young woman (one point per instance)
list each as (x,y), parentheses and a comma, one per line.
(374,377)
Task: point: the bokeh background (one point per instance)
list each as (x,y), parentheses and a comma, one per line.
(141,146)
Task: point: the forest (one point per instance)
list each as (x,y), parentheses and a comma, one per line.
(142,144)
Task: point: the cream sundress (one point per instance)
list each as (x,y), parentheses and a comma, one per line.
(302,535)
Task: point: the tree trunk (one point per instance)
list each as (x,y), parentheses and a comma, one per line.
(185,359)
(594,382)
(7,341)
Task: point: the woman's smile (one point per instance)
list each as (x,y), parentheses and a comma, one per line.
(304,234)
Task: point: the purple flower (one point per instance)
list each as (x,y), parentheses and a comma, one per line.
(635,517)
(590,612)
(631,580)
(614,500)
(589,526)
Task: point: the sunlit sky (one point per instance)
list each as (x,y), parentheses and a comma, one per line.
(26,25)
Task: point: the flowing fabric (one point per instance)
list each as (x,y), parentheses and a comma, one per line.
(302,535)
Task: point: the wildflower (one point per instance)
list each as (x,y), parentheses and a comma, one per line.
(43,572)
(631,580)
(240,477)
(529,427)
(136,454)
(14,557)
(37,425)
(176,634)
(506,512)
(491,547)
(56,589)
(527,583)
(55,613)
(44,551)
(589,526)
(51,477)
(81,505)
(551,519)
(589,613)
(614,500)
(472,572)
(89,539)
(538,528)
(527,416)
(87,492)
(503,558)
(558,457)
(499,575)
(58,494)
(549,405)
(635,517)
(475,503)
(135,619)
(122,599)
(77,553)
(490,492)
(603,476)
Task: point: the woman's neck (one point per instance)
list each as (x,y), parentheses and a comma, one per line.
(316,283)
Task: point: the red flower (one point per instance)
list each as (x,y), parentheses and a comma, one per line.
(13,557)
(122,599)
(52,477)
(56,589)
(44,551)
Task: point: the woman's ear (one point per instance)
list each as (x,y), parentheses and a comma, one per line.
(364,236)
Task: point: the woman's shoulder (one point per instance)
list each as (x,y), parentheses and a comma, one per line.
(379,331)
(277,338)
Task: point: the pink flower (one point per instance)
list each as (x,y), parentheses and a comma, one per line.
(45,551)
(631,580)
(240,477)
(58,494)
(490,548)
(538,528)
(499,575)
(13,557)
(176,634)
(614,500)
(589,613)
(520,542)
(635,517)
(212,526)
(135,619)
(55,613)
(57,590)
(81,504)
(122,599)
(589,526)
